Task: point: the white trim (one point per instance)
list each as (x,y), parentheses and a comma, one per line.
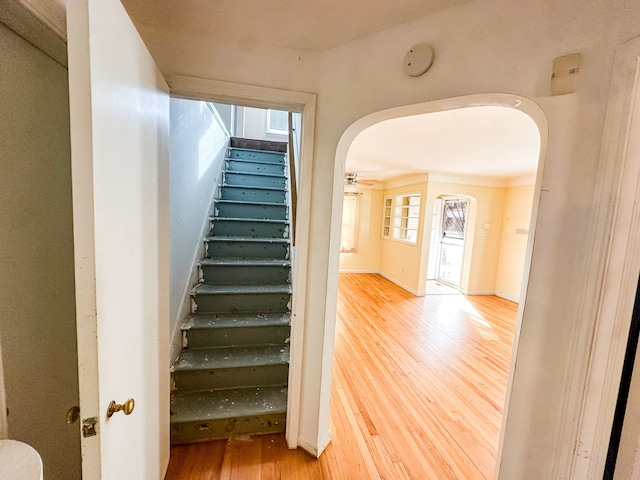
(506,100)
(241,94)
(314,448)
(374,272)
(27,19)
(617,196)
(475,292)
(402,285)
(511,298)
(305,103)
(51,13)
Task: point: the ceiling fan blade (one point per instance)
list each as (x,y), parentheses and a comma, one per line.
(365,182)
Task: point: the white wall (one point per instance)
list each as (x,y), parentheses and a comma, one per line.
(367,256)
(37,319)
(480,46)
(198,146)
(513,244)
(486,46)
(254,125)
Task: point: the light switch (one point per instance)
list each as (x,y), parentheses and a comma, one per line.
(564,76)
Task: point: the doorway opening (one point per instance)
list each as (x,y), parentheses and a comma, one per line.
(448,239)
(473,234)
(269,105)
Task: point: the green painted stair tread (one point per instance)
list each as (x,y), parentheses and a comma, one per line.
(251,220)
(231,357)
(274,153)
(208,289)
(254,187)
(256,174)
(257,150)
(251,203)
(245,262)
(253,160)
(223,238)
(212,321)
(227,403)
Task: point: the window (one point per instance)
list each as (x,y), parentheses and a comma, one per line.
(387,214)
(401,217)
(406,216)
(278,122)
(349,233)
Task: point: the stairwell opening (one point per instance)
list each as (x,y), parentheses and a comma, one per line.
(231,258)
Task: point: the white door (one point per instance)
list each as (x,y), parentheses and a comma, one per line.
(119,140)
(452,237)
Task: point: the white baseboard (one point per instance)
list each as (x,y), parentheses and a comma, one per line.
(478,292)
(402,285)
(357,271)
(507,297)
(312,448)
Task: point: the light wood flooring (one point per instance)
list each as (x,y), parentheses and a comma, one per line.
(418,390)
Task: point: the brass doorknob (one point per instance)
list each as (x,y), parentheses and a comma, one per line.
(73,414)
(127,407)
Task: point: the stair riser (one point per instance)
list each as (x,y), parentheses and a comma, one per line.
(247,275)
(240,249)
(248,194)
(250,167)
(247,180)
(193,432)
(225,228)
(270,157)
(198,380)
(235,210)
(221,337)
(242,303)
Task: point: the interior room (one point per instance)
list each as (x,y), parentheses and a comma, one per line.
(85,197)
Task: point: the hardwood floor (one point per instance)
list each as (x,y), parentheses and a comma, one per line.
(418,390)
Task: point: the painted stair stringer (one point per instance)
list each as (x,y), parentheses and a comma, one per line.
(231,376)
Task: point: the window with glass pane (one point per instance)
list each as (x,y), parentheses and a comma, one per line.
(349,234)
(454,219)
(406,217)
(277,121)
(386,216)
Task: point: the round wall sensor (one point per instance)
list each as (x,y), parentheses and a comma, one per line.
(418,59)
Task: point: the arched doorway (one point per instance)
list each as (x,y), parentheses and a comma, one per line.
(486,219)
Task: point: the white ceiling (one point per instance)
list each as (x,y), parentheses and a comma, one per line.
(485,141)
(296,24)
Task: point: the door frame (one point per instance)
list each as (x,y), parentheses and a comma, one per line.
(617,230)
(525,105)
(300,102)
(444,199)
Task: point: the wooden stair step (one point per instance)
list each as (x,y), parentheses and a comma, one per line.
(204,331)
(227,403)
(231,357)
(207,289)
(216,414)
(251,203)
(237,321)
(248,262)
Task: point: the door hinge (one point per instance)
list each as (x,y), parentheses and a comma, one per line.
(89,427)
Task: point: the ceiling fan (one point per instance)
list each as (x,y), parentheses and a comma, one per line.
(350,179)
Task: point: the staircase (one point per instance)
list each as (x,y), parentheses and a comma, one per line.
(231,376)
